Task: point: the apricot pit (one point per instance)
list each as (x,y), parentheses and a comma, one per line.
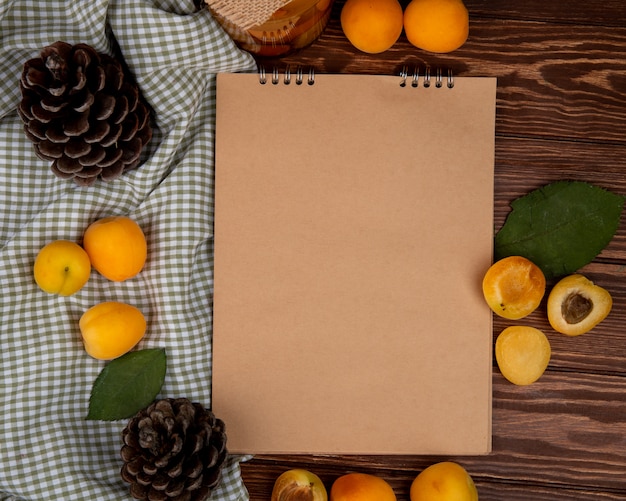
(576,305)
(514,287)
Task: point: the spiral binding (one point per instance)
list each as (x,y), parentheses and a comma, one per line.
(287,77)
(426,78)
(413,80)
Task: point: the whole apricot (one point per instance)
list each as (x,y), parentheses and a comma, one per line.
(436,25)
(61,267)
(522,353)
(116,246)
(372,26)
(576,305)
(361,487)
(298,484)
(445,481)
(111,329)
(514,287)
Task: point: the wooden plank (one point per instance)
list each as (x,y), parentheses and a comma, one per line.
(259,476)
(602,350)
(565,434)
(570,86)
(524,164)
(561,73)
(593,12)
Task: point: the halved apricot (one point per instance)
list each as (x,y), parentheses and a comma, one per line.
(523,354)
(576,305)
(513,287)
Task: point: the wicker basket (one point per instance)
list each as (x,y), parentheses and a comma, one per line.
(272,27)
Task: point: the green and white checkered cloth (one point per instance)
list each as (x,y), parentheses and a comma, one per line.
(48,451)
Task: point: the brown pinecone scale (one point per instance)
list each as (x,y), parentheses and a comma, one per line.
(173,450)
(83,113)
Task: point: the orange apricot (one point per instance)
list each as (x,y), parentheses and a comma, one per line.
(361,487)
(514,287)
(436,25)
(61,267)
(116,246)
(372,26)
(111,329)
(444,481)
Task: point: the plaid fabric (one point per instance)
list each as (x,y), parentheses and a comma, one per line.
(48,451)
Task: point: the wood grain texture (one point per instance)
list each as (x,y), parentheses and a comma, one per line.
(561,114)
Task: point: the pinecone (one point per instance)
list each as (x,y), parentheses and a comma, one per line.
(173,450)
(83,113)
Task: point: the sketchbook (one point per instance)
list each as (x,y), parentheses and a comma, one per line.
(353,225)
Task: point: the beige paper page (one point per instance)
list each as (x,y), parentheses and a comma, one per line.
(353,224)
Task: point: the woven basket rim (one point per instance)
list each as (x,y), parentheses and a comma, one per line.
(245,13)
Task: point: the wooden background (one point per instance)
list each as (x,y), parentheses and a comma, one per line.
(561,114)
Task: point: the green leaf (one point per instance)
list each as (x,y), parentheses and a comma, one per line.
(560,227)
(127,384)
